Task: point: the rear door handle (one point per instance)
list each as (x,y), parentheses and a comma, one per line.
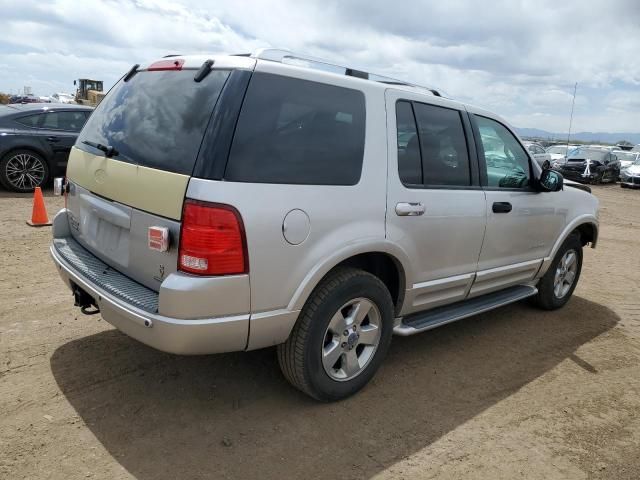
(405,209)
(53,139)
(501,207)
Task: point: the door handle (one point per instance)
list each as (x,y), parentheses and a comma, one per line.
(501,207)
(406,209)
(53,139)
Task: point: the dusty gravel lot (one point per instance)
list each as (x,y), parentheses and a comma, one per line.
(516,393)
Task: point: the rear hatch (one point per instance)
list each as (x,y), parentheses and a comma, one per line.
(131,164)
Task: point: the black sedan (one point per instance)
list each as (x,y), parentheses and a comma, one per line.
(35,141)
(591,165)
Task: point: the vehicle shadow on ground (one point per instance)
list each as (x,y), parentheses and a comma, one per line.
(233,415)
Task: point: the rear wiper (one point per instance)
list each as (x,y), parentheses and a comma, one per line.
(108,150)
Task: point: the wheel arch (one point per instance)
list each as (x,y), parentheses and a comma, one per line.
(384,261)
(32,148)
(586,226)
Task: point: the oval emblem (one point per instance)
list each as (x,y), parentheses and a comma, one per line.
(100,176)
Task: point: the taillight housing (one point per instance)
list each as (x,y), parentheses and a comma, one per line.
(212,240)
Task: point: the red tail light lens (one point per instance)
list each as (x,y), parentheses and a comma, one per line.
(212,240)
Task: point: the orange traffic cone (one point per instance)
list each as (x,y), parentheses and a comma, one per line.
(39,217)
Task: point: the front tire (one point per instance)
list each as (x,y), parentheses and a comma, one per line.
(341,337)
(557,285)
(23,170)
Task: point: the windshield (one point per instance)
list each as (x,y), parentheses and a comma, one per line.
(590,153)
(625,156)
(561,149)
(156,119)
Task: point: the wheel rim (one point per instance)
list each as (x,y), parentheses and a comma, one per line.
(25,171)
(565,274)
(351,339)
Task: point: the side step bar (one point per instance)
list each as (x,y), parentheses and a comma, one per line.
(423,321)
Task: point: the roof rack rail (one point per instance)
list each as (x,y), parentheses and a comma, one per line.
(286,56)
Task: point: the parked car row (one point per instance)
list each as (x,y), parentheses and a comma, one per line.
(593,163)
(55,98)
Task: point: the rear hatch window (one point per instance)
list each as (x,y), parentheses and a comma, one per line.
(156,119)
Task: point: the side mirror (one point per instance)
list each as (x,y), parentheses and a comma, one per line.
(550,181)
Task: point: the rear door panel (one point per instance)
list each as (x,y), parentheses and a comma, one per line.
(445,241)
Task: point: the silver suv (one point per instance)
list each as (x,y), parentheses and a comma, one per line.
(226,203)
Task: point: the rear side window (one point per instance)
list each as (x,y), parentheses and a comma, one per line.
(432,146)
(409,162)
(69,121)
(445,159)
(29,120)
(157,119)
(299,132)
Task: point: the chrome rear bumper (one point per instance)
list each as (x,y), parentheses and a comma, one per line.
(186,337)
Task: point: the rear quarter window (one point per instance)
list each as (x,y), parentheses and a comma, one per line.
(299,132)
(29,120)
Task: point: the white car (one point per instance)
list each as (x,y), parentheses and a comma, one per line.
(537,152)
(630,176)
(62,98)
(626,158)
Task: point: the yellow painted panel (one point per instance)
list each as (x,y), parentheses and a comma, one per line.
(148,189)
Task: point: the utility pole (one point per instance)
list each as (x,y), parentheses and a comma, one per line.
(575,87)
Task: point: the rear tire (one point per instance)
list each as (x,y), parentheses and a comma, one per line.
(23,170)
(341,337)
(557,285)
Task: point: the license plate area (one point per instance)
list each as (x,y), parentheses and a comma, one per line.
(104,226)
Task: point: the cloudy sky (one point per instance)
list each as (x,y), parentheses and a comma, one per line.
(519,58)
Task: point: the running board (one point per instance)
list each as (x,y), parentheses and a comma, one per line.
(423,321)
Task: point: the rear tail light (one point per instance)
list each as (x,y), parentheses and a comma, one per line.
(212,240)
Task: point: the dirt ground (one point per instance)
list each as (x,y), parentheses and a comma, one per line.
(515,393)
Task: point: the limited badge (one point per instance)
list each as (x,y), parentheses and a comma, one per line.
(158,239)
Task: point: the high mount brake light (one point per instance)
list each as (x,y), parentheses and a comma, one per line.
(212,240)
(163,65)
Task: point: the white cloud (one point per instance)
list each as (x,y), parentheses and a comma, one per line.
(519,59)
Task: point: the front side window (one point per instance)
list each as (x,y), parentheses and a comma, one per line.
(298,132)
(506,162)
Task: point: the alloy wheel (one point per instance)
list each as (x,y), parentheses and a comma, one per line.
(566,272)
(351,339)
(25,171)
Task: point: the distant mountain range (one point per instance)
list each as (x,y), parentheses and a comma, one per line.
(605,137)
